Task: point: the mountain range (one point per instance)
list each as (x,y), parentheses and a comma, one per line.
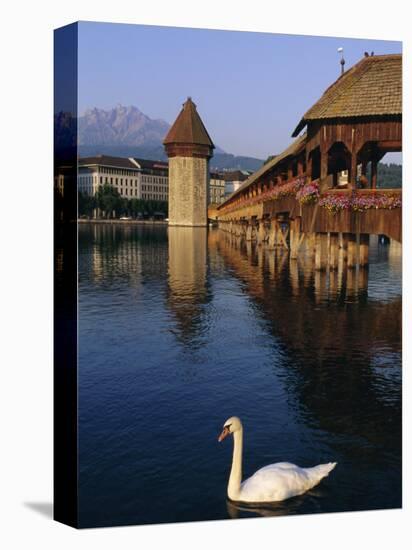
(126,131)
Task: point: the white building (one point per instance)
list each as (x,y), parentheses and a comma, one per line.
(216,188)
(136,178)
(154,179)
(133,178)
(234,179)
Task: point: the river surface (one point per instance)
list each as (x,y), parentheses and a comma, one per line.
(180,329)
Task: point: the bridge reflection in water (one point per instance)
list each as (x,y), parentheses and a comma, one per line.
(324,317)
(180,328)
(341,284)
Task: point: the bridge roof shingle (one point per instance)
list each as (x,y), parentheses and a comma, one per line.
(372,87)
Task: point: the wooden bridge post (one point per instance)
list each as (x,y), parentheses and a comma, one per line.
(374,173)
(321,254)
(249,231)
(310,242)
(363,249)
(352,250)
(261,237)
(292,240)
(295,238)
(278,235)
(272,234)
(352,170)
(333,250)
(343,246)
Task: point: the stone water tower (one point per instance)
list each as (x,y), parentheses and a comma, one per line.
(189,148)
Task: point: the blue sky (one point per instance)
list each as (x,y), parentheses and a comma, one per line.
(251,89)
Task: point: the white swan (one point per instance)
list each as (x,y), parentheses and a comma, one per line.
(272,483)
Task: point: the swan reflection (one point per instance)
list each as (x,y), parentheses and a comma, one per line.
(288,507)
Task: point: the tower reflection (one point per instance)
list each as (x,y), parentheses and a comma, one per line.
(187,279)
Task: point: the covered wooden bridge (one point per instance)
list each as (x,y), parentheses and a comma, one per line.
(319,194)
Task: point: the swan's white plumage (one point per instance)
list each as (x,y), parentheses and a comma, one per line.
(281,481)
(272,483)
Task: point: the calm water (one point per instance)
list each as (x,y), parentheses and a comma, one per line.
(180,329)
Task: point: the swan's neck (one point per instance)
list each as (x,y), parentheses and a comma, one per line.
(235,478)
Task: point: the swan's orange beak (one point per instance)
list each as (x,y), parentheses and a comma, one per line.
(224,434)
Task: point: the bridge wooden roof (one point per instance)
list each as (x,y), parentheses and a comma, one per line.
(372,87)
(188,128)
(294,148)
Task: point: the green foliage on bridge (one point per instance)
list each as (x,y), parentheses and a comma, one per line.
(389,175)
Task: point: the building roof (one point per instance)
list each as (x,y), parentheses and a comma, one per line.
(188,128)
(105,160)
(294,148)
(123,162)
(216,175)
(151,164)
(236,175)
(372,87)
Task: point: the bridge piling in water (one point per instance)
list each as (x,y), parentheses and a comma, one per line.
(364,249)
(272,241)
(333,251)
(261,233)
(353,249)
(249,232)
(321,251)
(329,249)
(295,238)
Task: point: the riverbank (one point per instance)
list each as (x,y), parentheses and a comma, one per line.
(124,222)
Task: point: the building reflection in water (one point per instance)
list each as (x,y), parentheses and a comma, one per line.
(187,281)
(113,255)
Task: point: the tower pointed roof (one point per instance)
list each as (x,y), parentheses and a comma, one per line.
(188,128)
